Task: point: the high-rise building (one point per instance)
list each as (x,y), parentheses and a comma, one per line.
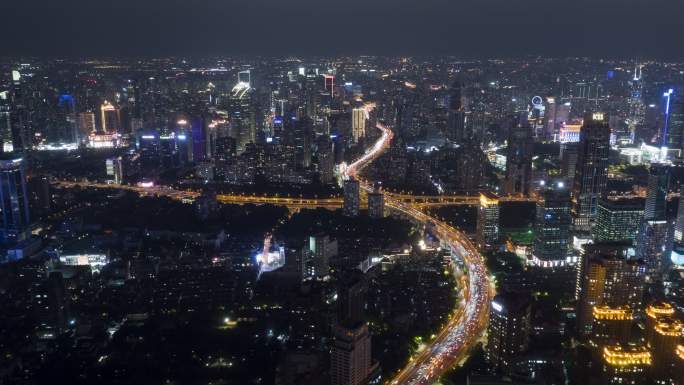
(376,205)
(618,219)
(667,334)
(626,364)
(14,201)
(610,325)
(6,144)
(114,167)
(352,198)
(509,330)
(656,196)
(654,246)
(591,173)
(552,228)
(679,223)
(110,118)
(358,123)
(456,114)
(350,362)
(568,156)
(519,161)
(488,220)
(242,114)
(673,125)
(320,249)
(607,276)
(655,312)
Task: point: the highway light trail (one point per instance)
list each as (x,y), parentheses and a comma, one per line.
(468,322)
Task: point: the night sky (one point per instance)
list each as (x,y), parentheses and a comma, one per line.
(626,28)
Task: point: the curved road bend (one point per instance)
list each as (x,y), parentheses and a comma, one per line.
(453,343)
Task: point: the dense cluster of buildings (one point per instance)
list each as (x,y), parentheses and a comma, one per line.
(591,152)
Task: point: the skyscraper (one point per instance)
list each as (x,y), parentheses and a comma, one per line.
(488,220)
(456,115)
(509,330)
(376,205)
(653,242)
(358,123)
(552,227)
(591,173)
(352,198)
(606,276)
(656,198)
(673,125)
(519,161)
(14,201)
(618,219)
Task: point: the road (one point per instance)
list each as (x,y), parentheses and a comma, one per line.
(465,326)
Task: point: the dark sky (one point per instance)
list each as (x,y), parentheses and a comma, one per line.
(627,28)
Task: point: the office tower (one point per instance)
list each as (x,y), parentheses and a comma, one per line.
(654,247)
(350,361)
(326,162)
(552,227)
(508,331)
(591,172)
(456,114)
(653,242)
(568,156)
(519,161)
(656,198)
(358,123)
(321,248)
(352,198)
(626,364)
(679,223)
(39,196)
(351,290)
(5,123)
(241,111)
(114,167)
(199,139)
(110,118)
(488,220)
(376,205)
(15,208)
(673,125)
(610,325)
(618,219)
(607,277)
(20,100)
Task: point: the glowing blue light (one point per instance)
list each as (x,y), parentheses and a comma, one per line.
(269,140)
(182,137)
(277,121)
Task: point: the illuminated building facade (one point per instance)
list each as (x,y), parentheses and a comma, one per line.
(591,174)
(618,220)
(488,220)
(610,325)
(519,161)
(552,228)
(508,331)
(626,364)
(607,276)
(352,198)
(358,123)
(376,205)
(14,207)
(110,118)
